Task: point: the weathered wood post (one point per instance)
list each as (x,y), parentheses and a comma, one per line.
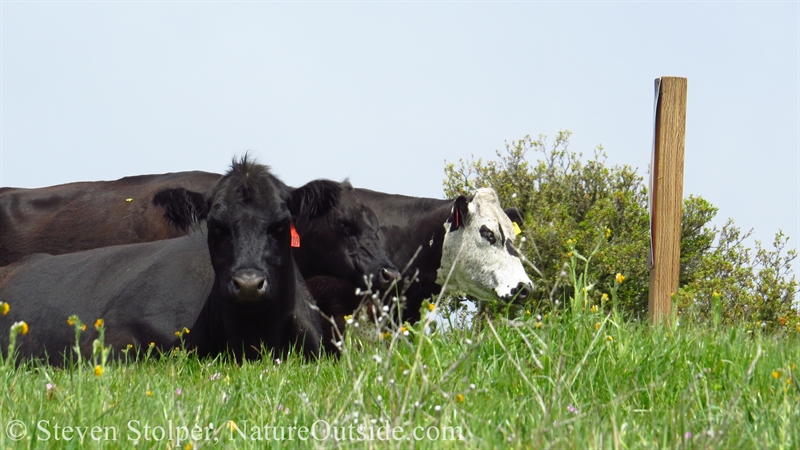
(666,194)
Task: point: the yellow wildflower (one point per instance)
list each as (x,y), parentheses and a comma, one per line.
(597,325)
(152,344)
(569,255)
(789,381)
(98,370)
(594,308)
(775,374)
(70,322)
(528,312)
(130,346)
(431,306)
(604,297)
(177,333)
(608,233)
(98,323)
(386,335)
(609,338)
(4,308)
(83,327)
(459,398)
(149,393)
(20,327)
(188,446)
(185,330)
(620,278)
(538,324)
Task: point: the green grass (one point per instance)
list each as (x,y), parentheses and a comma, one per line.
(577,380)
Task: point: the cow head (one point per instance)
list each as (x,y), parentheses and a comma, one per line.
(479,247)
(248,230)
(339,237)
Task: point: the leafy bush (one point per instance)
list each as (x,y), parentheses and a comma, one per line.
(734,284)
(573,204)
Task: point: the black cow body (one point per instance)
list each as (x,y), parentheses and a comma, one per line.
(235,286)
(80,216)
(143,292)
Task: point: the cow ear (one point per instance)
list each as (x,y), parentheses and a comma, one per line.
(458,216)
(516,215)
(184,209)
(314,199)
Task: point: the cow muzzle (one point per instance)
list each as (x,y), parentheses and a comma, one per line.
(519,294)
(249,285)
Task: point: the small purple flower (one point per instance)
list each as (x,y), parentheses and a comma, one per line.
(49,386)
(572,409)
(280,407)
(178,392)
(688,435)
(277,361)
(216,376)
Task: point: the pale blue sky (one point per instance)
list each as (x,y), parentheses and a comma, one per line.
(386,92)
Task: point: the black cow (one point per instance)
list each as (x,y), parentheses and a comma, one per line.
(80,216)
(145,292)
(473,237)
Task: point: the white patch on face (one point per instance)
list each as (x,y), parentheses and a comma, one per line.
(483,270)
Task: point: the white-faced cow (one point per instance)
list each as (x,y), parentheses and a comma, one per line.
(235,287)
(473,237)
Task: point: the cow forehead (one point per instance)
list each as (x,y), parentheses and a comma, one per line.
(485,207)
(238,213)
(350,207)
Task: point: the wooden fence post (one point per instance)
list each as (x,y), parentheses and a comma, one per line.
(666,195)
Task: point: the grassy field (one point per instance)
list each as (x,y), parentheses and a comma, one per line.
(581,379)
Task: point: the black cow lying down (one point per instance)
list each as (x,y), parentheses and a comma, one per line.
(235,289)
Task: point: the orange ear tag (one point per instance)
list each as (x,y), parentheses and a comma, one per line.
(295,236)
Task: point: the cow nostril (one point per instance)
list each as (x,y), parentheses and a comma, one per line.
(524,291)
(387,275)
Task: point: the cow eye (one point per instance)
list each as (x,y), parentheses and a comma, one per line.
(218,229)
(277,228)
(488,234)
(349,229)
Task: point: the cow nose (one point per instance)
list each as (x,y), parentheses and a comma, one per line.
(249,284)
(520,293)
(388,274)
